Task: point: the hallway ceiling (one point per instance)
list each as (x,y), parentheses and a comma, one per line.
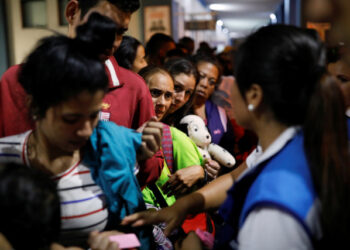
(240,17)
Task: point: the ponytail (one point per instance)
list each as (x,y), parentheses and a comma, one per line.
(97,35)
(326,146)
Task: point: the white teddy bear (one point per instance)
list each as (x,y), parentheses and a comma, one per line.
(199,133)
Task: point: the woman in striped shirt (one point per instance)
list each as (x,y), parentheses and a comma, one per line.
(92,163)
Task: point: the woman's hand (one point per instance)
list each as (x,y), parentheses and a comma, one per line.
(100,240)
(151,139)
(173,217)
(182,180)
(56,246)
(212,167)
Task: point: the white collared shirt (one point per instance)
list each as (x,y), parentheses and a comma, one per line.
(258,156)
(268,228)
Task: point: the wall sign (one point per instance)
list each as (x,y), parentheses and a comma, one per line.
(157,19)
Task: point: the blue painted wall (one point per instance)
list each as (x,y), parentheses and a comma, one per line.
(3,39)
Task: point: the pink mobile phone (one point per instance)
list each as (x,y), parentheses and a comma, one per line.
(125,240)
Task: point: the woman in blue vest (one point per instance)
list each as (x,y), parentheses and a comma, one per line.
(295,191)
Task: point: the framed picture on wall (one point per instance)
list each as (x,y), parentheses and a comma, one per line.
(34,13)
(61,12)
(157,19)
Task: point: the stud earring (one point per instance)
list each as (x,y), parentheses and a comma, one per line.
(250,107)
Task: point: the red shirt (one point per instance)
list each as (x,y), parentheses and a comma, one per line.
(14,114)
(128,103)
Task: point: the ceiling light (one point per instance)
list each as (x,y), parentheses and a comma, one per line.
(222,7)
(219,22)
(273,18)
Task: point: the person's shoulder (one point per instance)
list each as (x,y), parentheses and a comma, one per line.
(10,85)
(14,139)
(12,147)
(11,73)
(181,138)
(130,77)
(176,133)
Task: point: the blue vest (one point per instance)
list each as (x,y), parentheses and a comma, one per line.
(283,181)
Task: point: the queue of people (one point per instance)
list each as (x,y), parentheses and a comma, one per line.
(92,147)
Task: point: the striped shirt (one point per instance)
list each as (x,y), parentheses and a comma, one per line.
(83,204)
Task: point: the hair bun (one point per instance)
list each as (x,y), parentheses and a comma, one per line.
(96,35)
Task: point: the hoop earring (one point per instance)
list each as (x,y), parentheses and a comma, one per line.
(250,107)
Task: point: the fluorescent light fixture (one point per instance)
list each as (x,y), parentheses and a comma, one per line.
(239,25)
(222,7)
(273,18)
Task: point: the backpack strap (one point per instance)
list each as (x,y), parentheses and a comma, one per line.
(159,197)
(167,147)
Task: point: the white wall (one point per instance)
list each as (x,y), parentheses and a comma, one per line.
(135,26)
(194,10)
(23,40)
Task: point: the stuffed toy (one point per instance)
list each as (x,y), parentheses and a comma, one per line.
(196,129)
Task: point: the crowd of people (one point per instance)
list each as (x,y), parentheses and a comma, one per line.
(92,143)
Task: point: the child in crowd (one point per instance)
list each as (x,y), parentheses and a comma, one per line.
(30,212)
(29,208)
